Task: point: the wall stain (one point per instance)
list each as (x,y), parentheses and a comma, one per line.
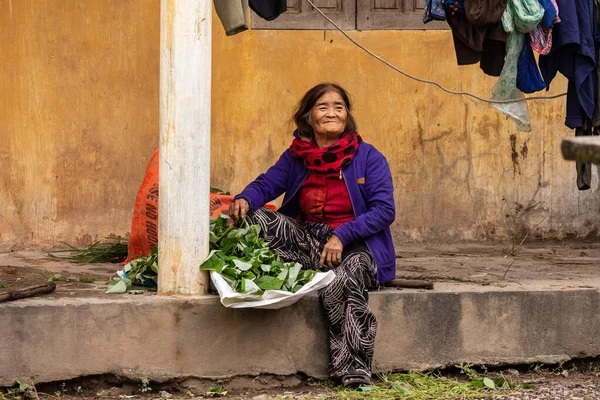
(419,130)
(514,155)
(436,138)
(524,150)
(469,146)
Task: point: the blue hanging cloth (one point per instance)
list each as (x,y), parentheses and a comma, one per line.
(529,79)
(434,11)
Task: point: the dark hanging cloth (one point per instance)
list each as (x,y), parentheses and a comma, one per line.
(596,118)
(478,34)
(529,79)
(268,9)
(549,13)
(574,55)
(590,127)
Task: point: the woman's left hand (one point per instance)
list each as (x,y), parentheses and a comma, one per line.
(332,252)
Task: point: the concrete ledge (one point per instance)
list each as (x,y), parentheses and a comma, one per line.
(161,338)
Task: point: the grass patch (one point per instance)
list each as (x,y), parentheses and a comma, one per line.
(421,386)
(113,250)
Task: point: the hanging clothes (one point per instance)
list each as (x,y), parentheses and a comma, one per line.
(477,33)
(268,9)
(233,15)
(550,13)
(506,87)
(541,40)
(520,17)
(454,6)
(434,11)
(596,117)
(529,79)
(590,127)
(541,35)
(573,54)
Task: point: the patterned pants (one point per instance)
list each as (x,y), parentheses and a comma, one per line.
(352,326)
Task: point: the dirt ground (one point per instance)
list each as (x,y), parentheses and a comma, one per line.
(533,383)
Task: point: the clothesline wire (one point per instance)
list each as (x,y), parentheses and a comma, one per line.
(427,80)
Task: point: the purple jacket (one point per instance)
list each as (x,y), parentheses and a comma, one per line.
(371,191)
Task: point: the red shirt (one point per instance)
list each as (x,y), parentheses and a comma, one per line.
(324,197)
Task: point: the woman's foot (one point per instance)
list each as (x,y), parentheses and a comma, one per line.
(354,381)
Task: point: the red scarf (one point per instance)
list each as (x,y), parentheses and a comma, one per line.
(326,159)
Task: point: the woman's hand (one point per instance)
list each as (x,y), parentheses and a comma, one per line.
(238,209)
(332,252)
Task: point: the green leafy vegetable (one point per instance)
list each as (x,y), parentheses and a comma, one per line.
(142,271)
(246,262)
(120,286)
(269,282)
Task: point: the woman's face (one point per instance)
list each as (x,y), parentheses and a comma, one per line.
(328,116)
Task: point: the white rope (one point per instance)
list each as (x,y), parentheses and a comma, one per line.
(426,80)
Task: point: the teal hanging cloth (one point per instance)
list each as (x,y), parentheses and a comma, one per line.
(529,79)
(520,17)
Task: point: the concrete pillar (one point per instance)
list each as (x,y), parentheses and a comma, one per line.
(185,82)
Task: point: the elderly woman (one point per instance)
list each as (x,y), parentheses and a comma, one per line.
(336,213)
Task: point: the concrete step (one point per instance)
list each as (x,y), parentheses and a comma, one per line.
(62,336)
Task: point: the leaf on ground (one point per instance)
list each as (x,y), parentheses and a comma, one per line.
(477,383)
(119,287)
(54,277)
(218,389)
(366,388)
(404,391)
(216,392)
(489,383)
(22,385)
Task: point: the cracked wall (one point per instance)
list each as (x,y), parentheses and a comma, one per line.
(79,112)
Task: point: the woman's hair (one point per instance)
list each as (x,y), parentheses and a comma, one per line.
(303,111)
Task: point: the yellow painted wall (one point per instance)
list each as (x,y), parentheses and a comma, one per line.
(78,116)
(79,120)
